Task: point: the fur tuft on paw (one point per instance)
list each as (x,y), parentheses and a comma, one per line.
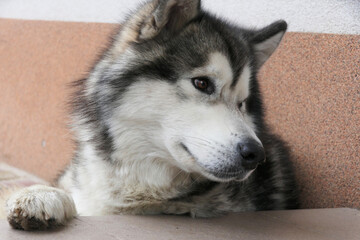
(39,207)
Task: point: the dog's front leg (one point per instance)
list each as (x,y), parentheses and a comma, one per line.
(39,207)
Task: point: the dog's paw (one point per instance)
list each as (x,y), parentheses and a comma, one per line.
(39,207)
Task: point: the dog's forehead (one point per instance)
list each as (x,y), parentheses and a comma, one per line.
(217,67)
(234,86)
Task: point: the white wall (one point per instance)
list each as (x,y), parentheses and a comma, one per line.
(325,16)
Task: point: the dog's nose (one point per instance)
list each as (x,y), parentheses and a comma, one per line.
(252,153)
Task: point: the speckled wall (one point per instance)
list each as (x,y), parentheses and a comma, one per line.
(311,88)
(312,96)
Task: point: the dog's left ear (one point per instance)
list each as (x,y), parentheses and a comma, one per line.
(171,15)
(266,40)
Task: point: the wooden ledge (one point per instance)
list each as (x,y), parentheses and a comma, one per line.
(342,223)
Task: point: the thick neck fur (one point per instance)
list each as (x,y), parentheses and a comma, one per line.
(144,168)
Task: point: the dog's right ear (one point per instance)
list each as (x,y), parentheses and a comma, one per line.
(266,40)
(153,18)
(169,16)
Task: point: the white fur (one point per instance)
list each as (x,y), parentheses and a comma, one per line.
(41,202)
(242,88)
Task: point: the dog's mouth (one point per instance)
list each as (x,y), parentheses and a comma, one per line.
(186,149)
(220,175)
(237,175)
(230,175)
(223,174)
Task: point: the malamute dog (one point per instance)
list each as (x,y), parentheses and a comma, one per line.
(170,120)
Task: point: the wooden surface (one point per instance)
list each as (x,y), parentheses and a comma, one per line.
(319,224)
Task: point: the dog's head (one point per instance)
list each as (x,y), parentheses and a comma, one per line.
(185,82)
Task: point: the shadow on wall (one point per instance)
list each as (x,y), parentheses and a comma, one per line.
(313,100)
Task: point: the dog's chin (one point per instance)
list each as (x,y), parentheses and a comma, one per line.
(220,175)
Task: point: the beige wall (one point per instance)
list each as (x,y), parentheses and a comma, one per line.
(311,89)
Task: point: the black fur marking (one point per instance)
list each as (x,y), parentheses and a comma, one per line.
(267,184)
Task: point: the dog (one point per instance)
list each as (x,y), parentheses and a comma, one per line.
(169,121)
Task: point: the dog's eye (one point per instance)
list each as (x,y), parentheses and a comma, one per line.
(241,104)
(203,84)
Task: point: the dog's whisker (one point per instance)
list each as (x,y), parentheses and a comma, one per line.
(200,139)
